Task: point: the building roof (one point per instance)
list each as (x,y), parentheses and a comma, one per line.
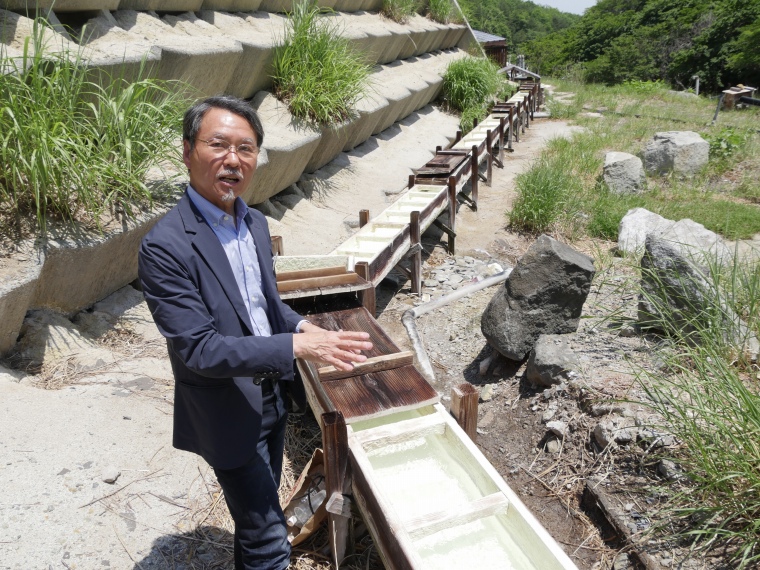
(483,37)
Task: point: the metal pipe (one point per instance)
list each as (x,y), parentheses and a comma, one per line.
(409,318)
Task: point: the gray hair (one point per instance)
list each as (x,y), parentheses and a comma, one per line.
(191,124)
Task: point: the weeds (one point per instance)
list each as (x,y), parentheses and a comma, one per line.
(315,71)
(399,10)
(70,148)
(470,85)
(440,10)
(710,402)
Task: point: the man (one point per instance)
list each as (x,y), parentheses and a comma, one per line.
(207,274)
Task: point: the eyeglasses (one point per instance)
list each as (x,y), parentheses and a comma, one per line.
(221,147)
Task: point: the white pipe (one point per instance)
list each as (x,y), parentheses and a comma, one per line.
(409,318)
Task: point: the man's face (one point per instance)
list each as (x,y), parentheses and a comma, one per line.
(216,174)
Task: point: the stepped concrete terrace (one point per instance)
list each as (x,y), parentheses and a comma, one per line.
(226,46)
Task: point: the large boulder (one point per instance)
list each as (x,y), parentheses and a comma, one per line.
(543,295)
(624,173)
(705,246)
(683,152)
(678,294)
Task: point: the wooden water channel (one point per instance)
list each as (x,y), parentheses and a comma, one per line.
(428,495)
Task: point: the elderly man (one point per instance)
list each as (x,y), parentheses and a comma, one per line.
(207,274)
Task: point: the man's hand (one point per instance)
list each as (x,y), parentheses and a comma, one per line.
(338,348)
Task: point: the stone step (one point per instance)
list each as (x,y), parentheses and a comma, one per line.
(219,52)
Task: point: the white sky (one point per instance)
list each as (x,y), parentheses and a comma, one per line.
(574,6)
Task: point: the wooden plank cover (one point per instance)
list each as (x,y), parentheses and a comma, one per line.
(377,393)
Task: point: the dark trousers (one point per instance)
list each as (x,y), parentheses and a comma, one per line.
(261,540)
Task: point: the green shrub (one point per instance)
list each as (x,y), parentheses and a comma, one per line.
(315,71)
(726,142)
(71,148)
(470,85)
(399,10)
(440,10)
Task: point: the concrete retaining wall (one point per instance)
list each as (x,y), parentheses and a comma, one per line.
(216,46)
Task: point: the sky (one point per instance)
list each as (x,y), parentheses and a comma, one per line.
(574,6)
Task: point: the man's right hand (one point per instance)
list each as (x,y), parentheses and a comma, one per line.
(337,348)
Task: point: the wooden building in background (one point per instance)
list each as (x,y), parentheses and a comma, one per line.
(494,46)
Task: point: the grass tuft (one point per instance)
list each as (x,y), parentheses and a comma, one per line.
(470,85)
(73,149)
(399,10)
(440,10)
(315,70)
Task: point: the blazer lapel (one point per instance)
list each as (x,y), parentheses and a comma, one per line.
(207,245)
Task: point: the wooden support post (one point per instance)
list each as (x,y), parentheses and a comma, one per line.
(366,296)
(415,240)
(464,408)
(411,181)
(474,179)
(363,218)
(523,115)
(474,122)
(438,149)
(337,483)
(489,158)
(458,136)
(502,125)
(529,110)
(278,248)
(452,214)
(511,133)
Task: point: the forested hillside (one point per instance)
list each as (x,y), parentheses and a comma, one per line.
(619,40)
(515,20)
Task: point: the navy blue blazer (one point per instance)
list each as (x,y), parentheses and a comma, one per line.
(196,304)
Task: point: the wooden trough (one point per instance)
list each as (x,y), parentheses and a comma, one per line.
(429,497)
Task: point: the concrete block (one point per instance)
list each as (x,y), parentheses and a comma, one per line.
(59,5)
(17,290)
(79,272)
(116,53)
(231,5)
(387,85)
(331,143)
(370,110)
(15,28)
(256,33)
(162,5)
(385,49)
(288,146)
(206,64)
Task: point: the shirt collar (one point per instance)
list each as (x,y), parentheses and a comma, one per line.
(212,213)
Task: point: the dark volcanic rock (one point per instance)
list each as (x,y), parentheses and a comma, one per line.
(543,295)
(552,361)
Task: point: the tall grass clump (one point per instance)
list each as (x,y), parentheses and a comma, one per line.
(440,10)
(73,149)
(399,10)
(315,70)
(710,401)
(470,85)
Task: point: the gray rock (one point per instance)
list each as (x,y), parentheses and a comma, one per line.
(670,470)
(622,562)
(430,283)
(683,152)
(543,295)
(634,228)
(486,393)
(557,427)
(703,246)
(676,291)
(624,173)
(110,474)
(552,361)
(614,431)
(553,446)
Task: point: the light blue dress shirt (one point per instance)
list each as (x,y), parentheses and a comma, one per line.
(238,244)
